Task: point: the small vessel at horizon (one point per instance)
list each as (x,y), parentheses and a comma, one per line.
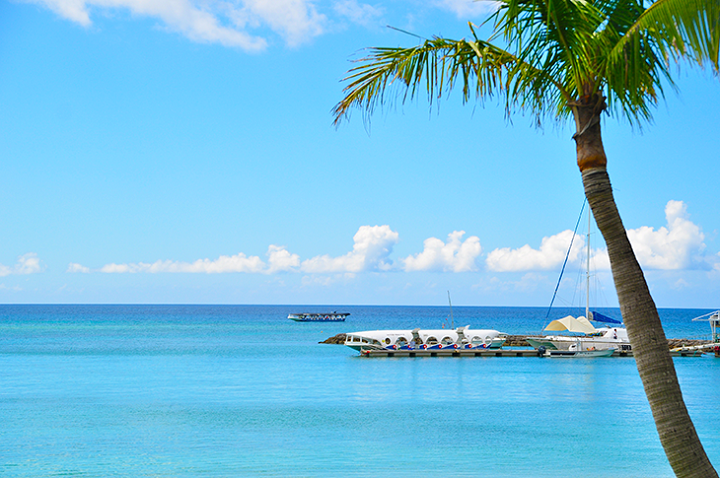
(316,317)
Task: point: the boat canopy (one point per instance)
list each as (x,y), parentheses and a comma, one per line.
(598,317)
(571,324)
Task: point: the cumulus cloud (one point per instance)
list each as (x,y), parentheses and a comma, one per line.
(550,255)
(26,264)
(223,22)
(455,255)
(676,246)
(279,259)
(237,263)
(679,245)
(599,260)
(373,245)
(371,251)
(73,267)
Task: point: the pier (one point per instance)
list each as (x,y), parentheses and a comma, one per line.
(503,352)
(517,346)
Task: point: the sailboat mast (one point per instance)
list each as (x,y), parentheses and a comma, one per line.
(452,321)
(587,270)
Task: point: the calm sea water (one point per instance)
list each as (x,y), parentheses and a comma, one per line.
(234,391)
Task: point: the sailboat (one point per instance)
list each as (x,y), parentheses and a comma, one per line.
(595,342)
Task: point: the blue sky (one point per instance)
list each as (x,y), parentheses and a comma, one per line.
(182,151)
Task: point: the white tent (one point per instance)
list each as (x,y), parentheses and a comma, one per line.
(571,324)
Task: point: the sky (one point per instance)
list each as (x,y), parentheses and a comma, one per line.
(183,151)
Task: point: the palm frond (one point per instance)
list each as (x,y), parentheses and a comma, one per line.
(545,55)
(640,53)
(437,65)
(687,29)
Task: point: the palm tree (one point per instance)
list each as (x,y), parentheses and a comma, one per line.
(574,58)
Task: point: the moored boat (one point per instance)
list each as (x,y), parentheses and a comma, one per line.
(593,340)
(314,317)
(578,350)
(597,338)
(425,339)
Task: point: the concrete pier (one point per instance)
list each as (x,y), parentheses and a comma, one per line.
(504,352)
(516,346)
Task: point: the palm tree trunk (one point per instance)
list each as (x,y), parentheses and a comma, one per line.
(650,347)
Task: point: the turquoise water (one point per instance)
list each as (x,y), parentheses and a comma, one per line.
(225,391)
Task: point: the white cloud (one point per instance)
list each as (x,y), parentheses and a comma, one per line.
(372,248)
(26,264)
(467,8)
(371,251)
(373,245)
(599,260)
(237,263)
(73,267)
(362,14)
(677,246)
(455,255)
(279,259)
(223,22)
(247,24)
(550,255)
(296,20)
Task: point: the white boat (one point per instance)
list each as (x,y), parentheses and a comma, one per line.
(602,338)
(578,350)
(592,339)
(313,317)
(425,339)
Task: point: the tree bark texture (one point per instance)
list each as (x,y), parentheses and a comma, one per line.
(657,371)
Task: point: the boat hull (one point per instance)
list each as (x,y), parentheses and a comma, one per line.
(579,353)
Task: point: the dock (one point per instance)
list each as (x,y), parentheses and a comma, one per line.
(519,346)
(503,352)
(516,346)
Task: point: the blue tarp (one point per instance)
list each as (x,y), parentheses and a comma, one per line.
(598,317)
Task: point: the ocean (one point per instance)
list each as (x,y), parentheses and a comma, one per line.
(241,391)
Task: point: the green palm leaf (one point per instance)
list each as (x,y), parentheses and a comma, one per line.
(555,53)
